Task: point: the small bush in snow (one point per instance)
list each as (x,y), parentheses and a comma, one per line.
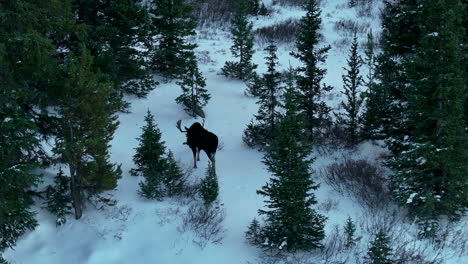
(282,32)
(349,27)
(359,178)
(291,2)
(206,222)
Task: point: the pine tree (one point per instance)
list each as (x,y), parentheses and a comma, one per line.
(430,176)
(316,114)
(88,121)
(209,188)
(174,179)
(253,234)
(117,33)
(149,160)
(194,95)
(242,47)
(263,130)
(350,230)
(18,158)
(290,221)
(388,106)
(58,197)
(253,7)
(379,251)
(352,81)
(371,95)
(173,22)
(31,55)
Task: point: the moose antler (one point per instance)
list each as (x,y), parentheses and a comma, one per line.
(178,126)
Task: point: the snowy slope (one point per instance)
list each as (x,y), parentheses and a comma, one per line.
(142,231)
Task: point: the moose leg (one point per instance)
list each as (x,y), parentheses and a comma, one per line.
(212,159)
(194,151)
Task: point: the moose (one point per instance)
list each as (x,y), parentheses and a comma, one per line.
(198,138)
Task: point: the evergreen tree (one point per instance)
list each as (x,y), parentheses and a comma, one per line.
(430,177)
(242,47)
(173,22)
(117,33)
(253,7)
(262,131)
(18,158)
(350,231)
(253,234)
(58,198)
(149,160)
(88,121)
(352,81)
(379,251)
(315,112)
(371,94)
(387,116)
(290,221)
(209,188)
(32,36)
(174,178)
(194,95)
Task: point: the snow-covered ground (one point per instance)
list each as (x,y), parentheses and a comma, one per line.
(137,230)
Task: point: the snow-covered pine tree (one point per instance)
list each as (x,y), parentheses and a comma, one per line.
(194,95)
(290,222)
(261,131)
(149,160)
(88,120)
(59,198)
(174,177)
(316,113)
(209,188)
(352,81)
(242,47)
(430,176)
(379,251)
(387,113)
(173,22)
(350,232)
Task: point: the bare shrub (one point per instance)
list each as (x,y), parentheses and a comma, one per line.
(453,236)
(205,58)
(209,11)
(328,204)
(206,222)
(334,249)
(291,2)
(348,27)
(387,220)
(333,138)
(359,178)
(414,253)
(406,247)
(282,32)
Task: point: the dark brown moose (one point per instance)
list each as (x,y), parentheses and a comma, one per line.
(198,138)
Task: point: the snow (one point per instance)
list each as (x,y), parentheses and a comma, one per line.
(142,231)
(411,197)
